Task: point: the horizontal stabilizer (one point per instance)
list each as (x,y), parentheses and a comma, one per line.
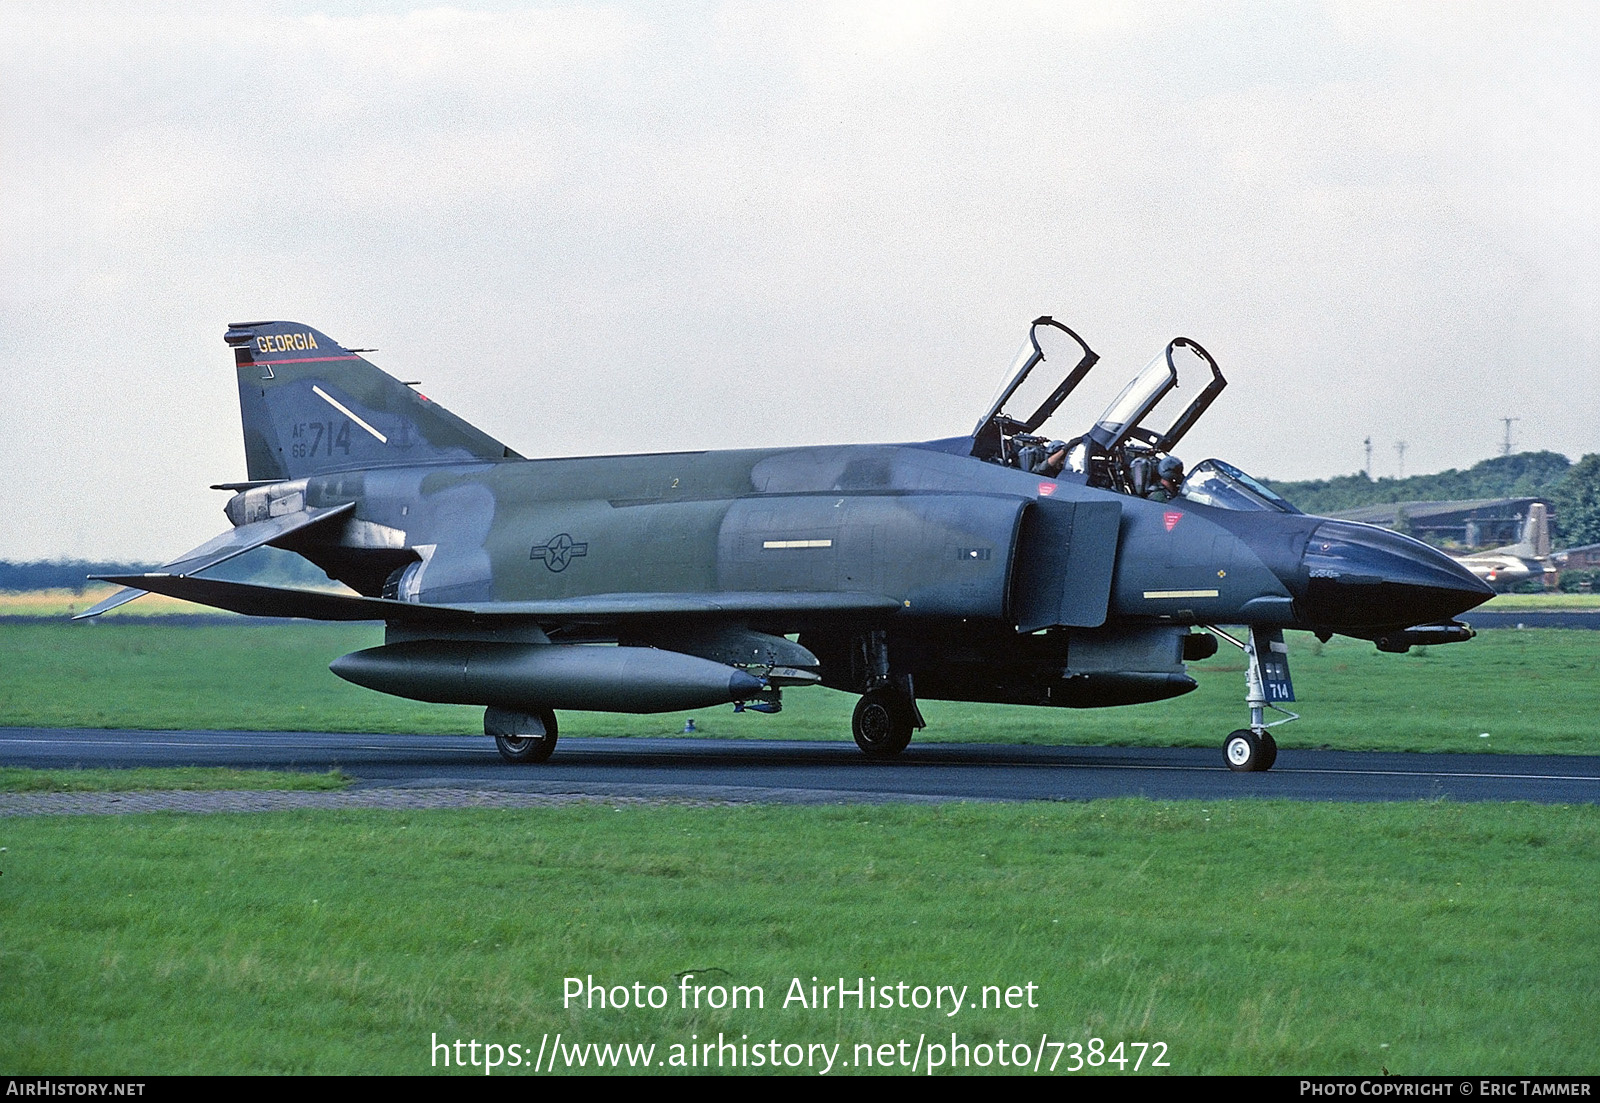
(220,549)
(121,597)
(265,601)
(273,601)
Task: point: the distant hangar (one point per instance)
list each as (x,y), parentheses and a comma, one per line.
(1474,523)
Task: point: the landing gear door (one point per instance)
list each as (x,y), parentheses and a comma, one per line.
(1268,676)
(1066,554)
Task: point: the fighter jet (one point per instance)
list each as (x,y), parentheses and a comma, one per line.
(1001,565)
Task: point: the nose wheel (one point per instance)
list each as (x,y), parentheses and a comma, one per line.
(1249,751)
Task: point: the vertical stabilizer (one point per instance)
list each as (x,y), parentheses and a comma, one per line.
(310,405)
(1537,534)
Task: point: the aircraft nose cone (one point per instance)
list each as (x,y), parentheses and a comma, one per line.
(1361,576)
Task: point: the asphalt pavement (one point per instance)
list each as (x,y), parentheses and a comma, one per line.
(826,772)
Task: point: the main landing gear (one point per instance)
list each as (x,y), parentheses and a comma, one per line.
(1252,749)
(522,736)
(887,713)
(883,721)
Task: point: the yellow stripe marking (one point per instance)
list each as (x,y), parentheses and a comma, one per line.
(797,543)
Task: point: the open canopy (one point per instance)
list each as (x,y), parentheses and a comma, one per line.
(1033,387)
(1119,450)
(1048,368)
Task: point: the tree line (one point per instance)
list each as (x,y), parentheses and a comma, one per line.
(1572,489)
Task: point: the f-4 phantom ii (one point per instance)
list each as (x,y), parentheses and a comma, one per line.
(999,566)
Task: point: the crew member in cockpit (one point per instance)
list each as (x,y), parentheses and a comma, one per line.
(1055,458)
(1169,480)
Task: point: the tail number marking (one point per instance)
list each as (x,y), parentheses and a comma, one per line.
(311,436)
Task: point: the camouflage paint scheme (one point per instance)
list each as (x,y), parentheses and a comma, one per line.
(905,571)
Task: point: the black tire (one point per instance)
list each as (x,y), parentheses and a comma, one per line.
(1242,751)
(515,735)
(1269,752)
(883,722)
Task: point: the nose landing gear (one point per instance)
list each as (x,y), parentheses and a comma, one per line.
(1248,751)
(1252,749)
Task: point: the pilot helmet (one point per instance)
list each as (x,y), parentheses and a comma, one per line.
(1170,467)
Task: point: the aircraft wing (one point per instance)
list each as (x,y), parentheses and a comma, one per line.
(219,549)
(274,601)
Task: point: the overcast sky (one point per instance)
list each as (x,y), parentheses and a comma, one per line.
(596,228)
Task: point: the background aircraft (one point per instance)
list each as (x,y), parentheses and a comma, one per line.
(969,568)
(1528,558)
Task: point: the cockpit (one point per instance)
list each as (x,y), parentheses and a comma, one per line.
(1118,451)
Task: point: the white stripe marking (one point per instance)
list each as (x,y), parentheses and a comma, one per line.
(797,543)
(351,414)
(1149,594)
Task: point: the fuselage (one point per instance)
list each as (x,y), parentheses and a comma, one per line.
(940,531)
(945,569)
(995,574)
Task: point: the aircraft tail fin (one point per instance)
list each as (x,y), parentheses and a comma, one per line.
(1537,532)
(310,405)
(1534,541)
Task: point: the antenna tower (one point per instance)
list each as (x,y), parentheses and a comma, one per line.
(1367,471)
(1505,448)
(1400,450)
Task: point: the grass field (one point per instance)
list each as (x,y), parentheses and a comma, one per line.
(1248,936)
(1540,602)
(14,780)
(64,603)
(1532,691)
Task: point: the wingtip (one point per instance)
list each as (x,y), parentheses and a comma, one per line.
(121,597)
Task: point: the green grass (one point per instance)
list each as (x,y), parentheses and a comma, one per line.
(1249,936)
(1506,603)
(14,780)
(1533,691)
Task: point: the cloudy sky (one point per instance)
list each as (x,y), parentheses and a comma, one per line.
(596,228)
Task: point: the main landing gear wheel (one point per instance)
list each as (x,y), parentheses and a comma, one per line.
(522,736)
(882,722)
(1249,751)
